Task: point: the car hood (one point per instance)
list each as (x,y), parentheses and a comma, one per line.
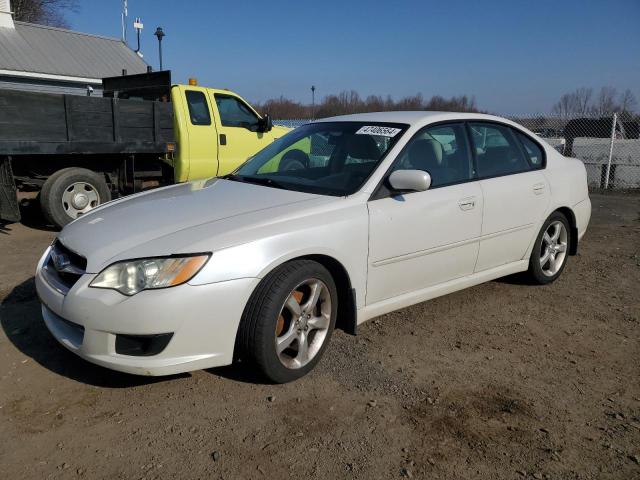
(110,232)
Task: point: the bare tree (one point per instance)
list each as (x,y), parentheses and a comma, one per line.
(583,99)
(628,102)
(606,101)
(575,103)
(351,102)
(44,12)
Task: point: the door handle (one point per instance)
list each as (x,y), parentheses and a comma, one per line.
(467,203)
(538,188)
(223,139)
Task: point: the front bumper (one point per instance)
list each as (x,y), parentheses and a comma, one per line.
(203,319)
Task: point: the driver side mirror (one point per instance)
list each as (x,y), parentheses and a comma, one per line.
(265,124)
(410,181)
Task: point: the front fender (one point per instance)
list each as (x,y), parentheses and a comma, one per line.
(344,239)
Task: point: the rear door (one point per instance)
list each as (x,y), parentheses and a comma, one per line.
(516,193)
(237,132)
(197,135)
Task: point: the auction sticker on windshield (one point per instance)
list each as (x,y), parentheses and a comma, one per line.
(378,130)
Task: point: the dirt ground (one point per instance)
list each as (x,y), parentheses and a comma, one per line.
(500,381)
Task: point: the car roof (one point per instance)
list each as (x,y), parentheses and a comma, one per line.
(412,117)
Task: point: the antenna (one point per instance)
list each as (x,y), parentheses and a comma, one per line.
(125,13)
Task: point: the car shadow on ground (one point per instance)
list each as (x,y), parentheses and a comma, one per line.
(515,279)
(239,372)
(22,323)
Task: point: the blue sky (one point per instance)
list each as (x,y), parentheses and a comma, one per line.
(514,56)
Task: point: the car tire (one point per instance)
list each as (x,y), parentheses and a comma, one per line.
(71,192)
(272,334)
(550,250)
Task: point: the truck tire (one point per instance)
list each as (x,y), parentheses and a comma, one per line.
(71,192)
(294,160)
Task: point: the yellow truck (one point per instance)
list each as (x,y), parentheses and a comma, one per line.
(78,152)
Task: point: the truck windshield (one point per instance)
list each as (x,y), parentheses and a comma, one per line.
(327,158)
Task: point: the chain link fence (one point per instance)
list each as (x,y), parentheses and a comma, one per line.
(608,145)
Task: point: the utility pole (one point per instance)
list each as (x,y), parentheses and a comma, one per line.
(313,102)
(160,34)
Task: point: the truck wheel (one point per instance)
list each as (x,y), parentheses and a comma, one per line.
(293,160)
(71,192)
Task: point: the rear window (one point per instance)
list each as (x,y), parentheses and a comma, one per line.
(198,108)
(533,151)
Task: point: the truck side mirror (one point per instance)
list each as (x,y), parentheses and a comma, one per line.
(265,124)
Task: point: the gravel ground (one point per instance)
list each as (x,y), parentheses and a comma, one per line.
(503,380)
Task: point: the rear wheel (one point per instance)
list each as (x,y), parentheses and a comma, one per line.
(288,322)
(71,192)
(551,250)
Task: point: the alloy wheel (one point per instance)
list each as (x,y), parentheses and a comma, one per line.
(303,323)
(553,249)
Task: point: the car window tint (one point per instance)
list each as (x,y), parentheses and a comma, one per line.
(441,151)
(497,150)
(198,108)
(321,149)
(532,149)
(327,158)
(234,113)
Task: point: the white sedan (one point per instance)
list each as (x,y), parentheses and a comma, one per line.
(380,211)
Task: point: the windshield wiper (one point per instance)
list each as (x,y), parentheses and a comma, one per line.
(266,181)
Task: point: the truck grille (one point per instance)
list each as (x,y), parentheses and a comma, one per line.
(64,267)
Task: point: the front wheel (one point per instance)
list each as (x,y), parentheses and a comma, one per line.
(288,322)
(551,250)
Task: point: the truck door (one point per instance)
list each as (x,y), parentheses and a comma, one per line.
(237,124)
(197,134)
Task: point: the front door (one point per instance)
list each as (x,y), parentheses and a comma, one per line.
(238,138)
(421,239)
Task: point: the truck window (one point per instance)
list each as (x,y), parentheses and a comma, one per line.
(198,108)
(234,113)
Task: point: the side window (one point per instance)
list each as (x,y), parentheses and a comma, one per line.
(234,113)
(441,151)
(533,151)
(497,150)
(198,108)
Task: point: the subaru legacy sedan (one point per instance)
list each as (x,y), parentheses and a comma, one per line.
(339,221)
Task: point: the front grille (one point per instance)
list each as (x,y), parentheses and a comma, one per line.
(64,267)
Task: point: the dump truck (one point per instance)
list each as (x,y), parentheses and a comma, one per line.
(77,152)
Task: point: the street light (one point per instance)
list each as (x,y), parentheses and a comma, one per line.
(313,102)
(160,34)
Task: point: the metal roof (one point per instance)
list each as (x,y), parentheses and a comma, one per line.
(55,51)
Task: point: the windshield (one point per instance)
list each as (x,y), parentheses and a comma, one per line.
(327,158)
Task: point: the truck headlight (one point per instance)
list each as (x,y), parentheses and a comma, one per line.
(132,276)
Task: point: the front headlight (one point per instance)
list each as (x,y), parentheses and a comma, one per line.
(132,276)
